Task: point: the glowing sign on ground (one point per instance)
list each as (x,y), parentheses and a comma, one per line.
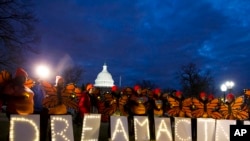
(222,129)
(119,128)
(141,127)
(91,127)
(183,129)
(27,125)
(205,129)
(61,128)
(163,129)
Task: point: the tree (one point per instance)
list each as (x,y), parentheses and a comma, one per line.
(16,32)
(147,84)
(73,74)
(193,80)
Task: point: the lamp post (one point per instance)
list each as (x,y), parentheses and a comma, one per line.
(229,85)
(224,89)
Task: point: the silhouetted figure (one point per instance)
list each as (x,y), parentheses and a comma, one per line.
(19,97)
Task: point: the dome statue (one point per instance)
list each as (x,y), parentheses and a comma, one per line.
(104,78)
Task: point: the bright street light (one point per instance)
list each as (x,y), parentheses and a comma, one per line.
(42,72)
(229,84)
(224,89)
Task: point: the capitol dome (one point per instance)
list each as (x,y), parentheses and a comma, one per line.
(104,78)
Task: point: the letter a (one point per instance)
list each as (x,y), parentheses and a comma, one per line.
(237,132)
(119,129)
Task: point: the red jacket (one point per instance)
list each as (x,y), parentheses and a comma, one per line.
(84,104)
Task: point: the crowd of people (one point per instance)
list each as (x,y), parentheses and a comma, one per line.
(18,94)
(21,96)
(136,101)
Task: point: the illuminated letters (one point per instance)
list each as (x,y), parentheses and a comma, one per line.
(141,128)
(205,129)
(61,128)
(222,129)
(182,129)
(163,129)
(119,128)
(24,125)
(91,127)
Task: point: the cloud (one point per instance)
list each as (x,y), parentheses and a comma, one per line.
(147,39)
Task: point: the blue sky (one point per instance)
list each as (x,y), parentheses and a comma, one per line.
(147,39)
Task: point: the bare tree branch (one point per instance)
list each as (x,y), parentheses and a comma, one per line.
(73,74)
(17,33)
(194,81)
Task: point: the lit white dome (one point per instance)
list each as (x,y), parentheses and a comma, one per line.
(104,78)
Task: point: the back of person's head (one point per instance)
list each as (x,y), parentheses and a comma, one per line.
(20,76)
(114,88)
(230,97)
(21,72)
(89,86)
(210,97)
(178,93)
(203,95)
(137,87)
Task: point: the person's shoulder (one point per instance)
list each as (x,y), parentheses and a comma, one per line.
(28,90)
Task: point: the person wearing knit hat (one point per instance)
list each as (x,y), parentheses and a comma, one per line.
(21,72)
(115,92)
(157,102)
(178,94)
(234,108)
(84,103)
(114,88)
(210,97)
(138,102)
(19,97)
(90,97)
(124,106)
(89,87)
(203,96)
(230,98)
(157,91)
(137,89)
(20,76)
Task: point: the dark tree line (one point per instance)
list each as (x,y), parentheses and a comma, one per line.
(17,33)
(73,74)
(194,80)
(147,84)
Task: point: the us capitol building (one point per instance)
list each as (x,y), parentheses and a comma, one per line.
(104,80)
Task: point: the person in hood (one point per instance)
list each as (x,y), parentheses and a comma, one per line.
(19,97)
